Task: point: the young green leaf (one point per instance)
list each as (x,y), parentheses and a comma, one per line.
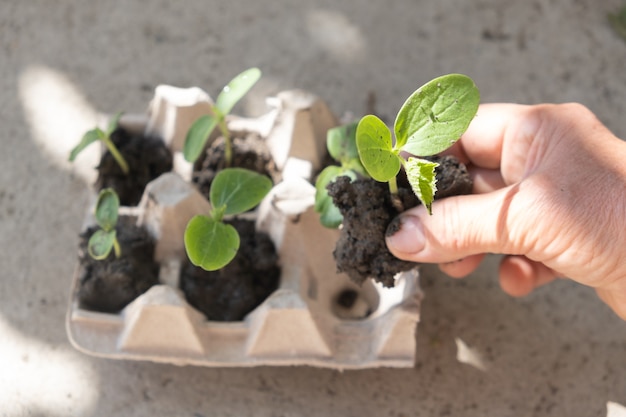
(236,89)
(323,179)
(421,176)
(106,213)
(201,129)
(238,190)
(329,214)
(197,136)
(210,244)
(436,115)
(373,140)
(107,208)
(341,142)
(88,138)
(341,145)
(101,243)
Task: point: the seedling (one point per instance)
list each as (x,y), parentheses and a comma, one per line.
(431,120)
(341,144)
(104,239)
(98,134)
(210,243)
(202,128)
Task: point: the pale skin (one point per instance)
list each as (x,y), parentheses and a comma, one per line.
(549,193)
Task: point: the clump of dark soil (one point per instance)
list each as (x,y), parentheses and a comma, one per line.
(367,212)
(147,158)
(111,284)
(233,291)
(249,152)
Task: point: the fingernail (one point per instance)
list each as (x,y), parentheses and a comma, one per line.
(405,234)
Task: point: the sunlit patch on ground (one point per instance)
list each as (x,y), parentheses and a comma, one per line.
(43,379)
(469,356)
(58,115)
(336,34)
(615,410)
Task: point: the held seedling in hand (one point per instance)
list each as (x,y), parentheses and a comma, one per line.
(431,120)
(98,134)
(341,144)
(104,239)
(210,243)
(202,128)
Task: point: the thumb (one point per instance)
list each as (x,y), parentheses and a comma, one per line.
(462,226)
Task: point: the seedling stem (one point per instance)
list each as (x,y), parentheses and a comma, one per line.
(395,199)
(116,154)
(228,146)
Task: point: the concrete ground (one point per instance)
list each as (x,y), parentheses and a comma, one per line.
(558,352)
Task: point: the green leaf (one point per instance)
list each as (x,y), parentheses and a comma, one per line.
(325,177)
(100,244)
(436,115)
(236,89)
(238,190)
(421,176)
(107,208)
(113,123)
(329,213)
(330,216)
(87,139)
(341,142)
(197,136)
(373,141)
(210,244)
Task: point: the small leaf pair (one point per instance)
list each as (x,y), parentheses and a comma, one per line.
(105,239)
(341,145)
(202,128)
(431,120)
(210,243)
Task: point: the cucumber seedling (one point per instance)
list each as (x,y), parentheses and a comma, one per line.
(341,145)
(210,243)
(104,136)
(431,120)
(104,239)
(201,129)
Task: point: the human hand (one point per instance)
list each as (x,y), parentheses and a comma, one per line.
(549,193)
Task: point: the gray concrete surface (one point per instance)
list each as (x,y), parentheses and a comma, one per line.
(558,352)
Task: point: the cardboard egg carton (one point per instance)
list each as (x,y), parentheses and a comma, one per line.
(316,317)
